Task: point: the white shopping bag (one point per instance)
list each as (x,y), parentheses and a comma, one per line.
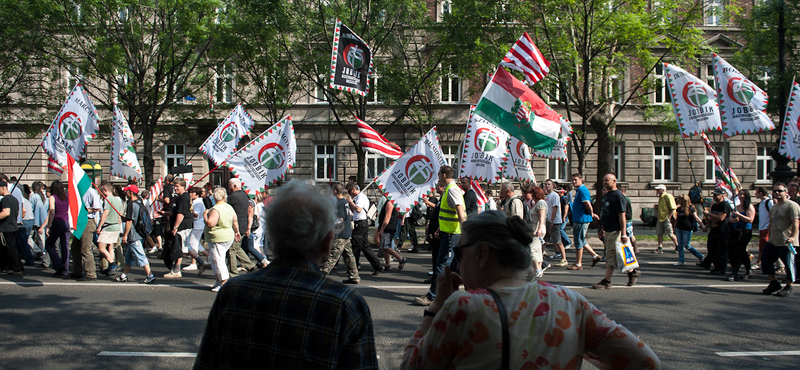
(626,259)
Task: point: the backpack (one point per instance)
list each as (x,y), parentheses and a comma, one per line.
(143,224)
(526,211)
(416,212)
(695,195)
(372,212)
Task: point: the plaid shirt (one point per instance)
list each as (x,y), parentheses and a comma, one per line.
(290,316)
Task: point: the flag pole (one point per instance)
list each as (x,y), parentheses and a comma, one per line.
(106,199)
(25,169)
(691,168)
(519,179)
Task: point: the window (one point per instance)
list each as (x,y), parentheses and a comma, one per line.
(224,84)
(372,96)
(450,86)
(557,170)
(662,163)
(320,90)
(710,167)
(617,163)
(554,95)
(325,162)
(445,7)
(376,164)
(765,163)
(710,76)
(450,154)
(712,11)
(617,89)
(175,155)
(74,76)
(661,91)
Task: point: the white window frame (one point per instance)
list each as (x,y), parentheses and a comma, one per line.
(764,163)
(710,175)
(712,11)
(171,156)
(74,76)
(618,164)
(444,7)
(450,153)
(452,80)
(223,84)
(328,159)
(616,89)
(558,170)
(372,96)
(710,80)
(377,165)
(320,89)
(660,87)
(667,161)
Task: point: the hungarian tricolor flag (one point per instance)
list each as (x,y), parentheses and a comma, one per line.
(79,184)
(790,138)
(512,106)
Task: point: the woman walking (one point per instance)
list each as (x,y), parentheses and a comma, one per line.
(685,223)
(220,232)
(57,228)
(742,221)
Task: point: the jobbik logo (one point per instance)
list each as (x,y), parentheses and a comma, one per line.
(419,169)
(271,156)
(486,140)
(228,133)
(69,126)
(695,94)
(740,91)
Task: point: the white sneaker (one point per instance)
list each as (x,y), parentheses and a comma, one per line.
(539,273)
(172,275)
(190,268)
(216,288)
(153,250)
(678,264)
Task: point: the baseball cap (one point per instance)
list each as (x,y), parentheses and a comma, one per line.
(3,184)
(661,187)
(131,187)
(719,191)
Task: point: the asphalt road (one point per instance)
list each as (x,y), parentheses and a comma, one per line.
(690,318)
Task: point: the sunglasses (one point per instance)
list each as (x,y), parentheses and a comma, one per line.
(457,250)
(779,190)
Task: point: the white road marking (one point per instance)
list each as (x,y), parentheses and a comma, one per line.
(761,353)
(147,354)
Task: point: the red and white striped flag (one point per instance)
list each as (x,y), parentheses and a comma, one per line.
(525,57)
(476,187)
(374,142)
(53,167)
(155,205)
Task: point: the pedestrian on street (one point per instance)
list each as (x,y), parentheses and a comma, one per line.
(686,222)
(764,205)
(341,243)
(8,231)
(57,229)
(784,218)
(221,230)
(718,226)
(666,215)
(359,203)
(554,221)
(612,229)
(132,240)
(582,216)
(742,220)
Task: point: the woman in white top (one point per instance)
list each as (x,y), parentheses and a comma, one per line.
(259,236)
(195,237)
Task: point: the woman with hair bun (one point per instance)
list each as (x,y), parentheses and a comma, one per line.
(547,325)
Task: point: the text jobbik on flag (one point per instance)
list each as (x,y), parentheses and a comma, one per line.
(351,61)
(75,125)
(265,160)
(414,174)
(694,102)
(742,104)
(509,104)
(225,138)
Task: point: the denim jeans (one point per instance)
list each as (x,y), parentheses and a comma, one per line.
(443,258)
(247,246)
(684,237)
(564,237)
(24,249)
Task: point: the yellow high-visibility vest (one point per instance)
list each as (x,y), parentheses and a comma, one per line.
(448,217)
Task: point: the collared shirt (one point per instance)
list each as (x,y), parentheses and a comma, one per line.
(666,204)
(288,316)
(361,201)
(92,200)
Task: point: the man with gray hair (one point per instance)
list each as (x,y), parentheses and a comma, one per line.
(240,202)
(289,315)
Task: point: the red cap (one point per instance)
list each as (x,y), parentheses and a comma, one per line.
(131,187)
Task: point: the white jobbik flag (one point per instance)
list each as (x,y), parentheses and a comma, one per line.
(790,138)
(483,151)
(695,102)
(75,126)
(124,162)
(414,174)
(265,160)
(742,105)
(224,140)
(517,164)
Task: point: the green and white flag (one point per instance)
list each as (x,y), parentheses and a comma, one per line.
(265,160)
(225,139)
(517,163)
(414,174)
(509,104)
(790,138)
(483,151)
(75,126)
(742,104)
(695,102)
(124,162)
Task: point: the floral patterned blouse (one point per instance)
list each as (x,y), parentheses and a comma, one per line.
(550,327)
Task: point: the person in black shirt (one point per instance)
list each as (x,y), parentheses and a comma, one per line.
(718,221)
(470,198)
(612,229)
(181,219)
(240,202)
(9,210)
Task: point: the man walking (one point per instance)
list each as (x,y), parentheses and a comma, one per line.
(81,250)
(554,221)
(359,204)
(612,225)
(240,202)
(784,219)
(341,244)
(666,214)
(581,218)
(289,315)
(452,213)
(132,240)
(9,209)
(470,198)
(718,219)
(182,220)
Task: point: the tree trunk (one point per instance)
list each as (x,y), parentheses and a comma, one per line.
(605,146)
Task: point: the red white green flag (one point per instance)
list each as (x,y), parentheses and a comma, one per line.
(75,126)
(265,160)
(225,138)
(790,137)
(509,104)
(517,163)
(721,173)
(742,104)
(695,102)
(414,174)
(483,151)
(124,162)
(79,184)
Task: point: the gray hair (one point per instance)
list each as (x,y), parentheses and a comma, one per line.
(508,185)
(508,237)
(220,194)
(298,220)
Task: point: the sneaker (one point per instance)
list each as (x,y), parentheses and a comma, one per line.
(378,271)
(105,271)
(545,265)
(111,270)
(567,247)
(732,278)
(595,260)
(190,268)
(121,279)
(700,261)
(351,281)
(603,284)
(555,256)
(423,301)
(785,292)
(562,263)
(153,250)
(658,251)
(749,275)
(539,274)
(773,287)
(148,279)
(633,277)
(678,264)
(86,278)
(414,250)
(172,275)
(756,267)
(575,267)
(216,288)
(201,269)
(402,264)
(430,273)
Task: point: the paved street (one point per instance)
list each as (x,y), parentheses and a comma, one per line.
(688,317)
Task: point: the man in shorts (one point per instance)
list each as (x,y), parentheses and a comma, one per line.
(666,213)
(554,220)
(582,216)
(109,226)
(784,219)
(384,235)
(612,229)
(134,251)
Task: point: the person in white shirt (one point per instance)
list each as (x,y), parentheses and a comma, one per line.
(359,204)
(24,232)
(763,222)
(195,245)
(554,220)
(260,242)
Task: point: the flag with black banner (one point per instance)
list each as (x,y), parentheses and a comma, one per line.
(351,61)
